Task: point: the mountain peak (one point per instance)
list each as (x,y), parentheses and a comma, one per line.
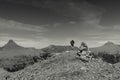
(11,41)
(109,43)
(11,45)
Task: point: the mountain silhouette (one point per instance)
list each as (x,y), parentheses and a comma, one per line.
(108,47)
(11,45)
(12,48)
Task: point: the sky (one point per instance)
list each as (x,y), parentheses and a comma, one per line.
(39,23)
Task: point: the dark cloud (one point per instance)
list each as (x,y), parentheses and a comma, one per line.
(50,11)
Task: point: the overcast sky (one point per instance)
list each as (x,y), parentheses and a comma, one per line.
(39,23)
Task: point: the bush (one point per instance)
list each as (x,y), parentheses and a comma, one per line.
(110,58)
(45,55)
(14,67)
(17,63)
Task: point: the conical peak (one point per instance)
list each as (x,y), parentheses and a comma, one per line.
(11,42)
(11,45)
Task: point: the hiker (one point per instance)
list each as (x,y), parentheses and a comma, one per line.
(72,42)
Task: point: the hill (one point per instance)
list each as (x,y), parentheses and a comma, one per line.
(108,47)
(57,49)
(11,45)
(13,49)
(66,66)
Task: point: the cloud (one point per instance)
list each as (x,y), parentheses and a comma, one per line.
(116,27)
(20,26)
(76,10)
(15,30)
(83,18)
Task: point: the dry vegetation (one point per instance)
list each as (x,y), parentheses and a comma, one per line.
(66,66)
(16,63)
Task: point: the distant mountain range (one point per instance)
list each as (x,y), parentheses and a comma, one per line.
(14,49)
(108,47)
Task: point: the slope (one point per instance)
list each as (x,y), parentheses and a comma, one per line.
(108,47)
(67,66)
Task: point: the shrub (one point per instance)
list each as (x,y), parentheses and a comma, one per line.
(17,63)
(45,55)
(110,58)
